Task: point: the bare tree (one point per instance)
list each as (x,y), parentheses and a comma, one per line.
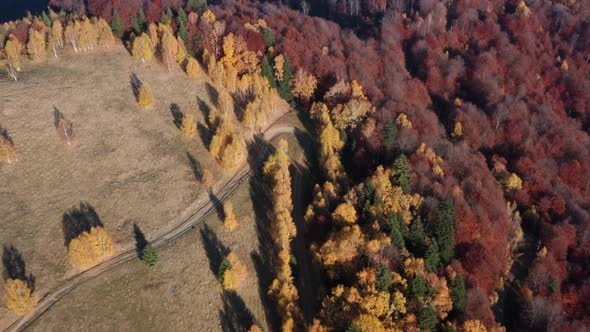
(64,127)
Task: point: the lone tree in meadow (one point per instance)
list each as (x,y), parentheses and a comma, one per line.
(146,96)
(149,256)
(64,127)
(230,222)
(189,126)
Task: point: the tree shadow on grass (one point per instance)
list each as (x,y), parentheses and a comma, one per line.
(235,315)
(79,220)
(258,151)
(140,241)
(135,85)
(218,205)
(215,250)
(204,133)
(195,166)
(176,115)
(213,94)
(5,136)
(15,267)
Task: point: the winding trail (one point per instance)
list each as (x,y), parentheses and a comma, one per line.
(205,206)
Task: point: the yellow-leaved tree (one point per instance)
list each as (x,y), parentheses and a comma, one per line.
(105,34)
(193,68)
(88,35)
(235,274)
(283,230)
(189,126)
(19,296)
(7,150)
(226,146)
(304,85)
(36,47)
(12,50)
(230,222)
(143,49)
(90,248)
(146,97)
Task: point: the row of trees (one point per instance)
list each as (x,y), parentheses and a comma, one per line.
(50,35)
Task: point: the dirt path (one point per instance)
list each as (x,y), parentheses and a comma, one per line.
(205,206)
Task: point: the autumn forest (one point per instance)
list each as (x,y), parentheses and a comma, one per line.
(444,176)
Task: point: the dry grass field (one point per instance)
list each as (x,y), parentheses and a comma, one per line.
(181,292)
(130,165)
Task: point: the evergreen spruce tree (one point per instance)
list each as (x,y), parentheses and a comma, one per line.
(268,72)
(403,170)
(458,294)
(432,258)
(418,287)
(417,237)
(390,135)
(135,26)
(285,83)
(269,36)
(444,230)
(369,196)
(149,255)
(354,328)
(383,278)
(396,234)
(199,5)
(181,19)
(183,33)
(143,24)
(428,318)
(225,265)
(164,19)
(117,25)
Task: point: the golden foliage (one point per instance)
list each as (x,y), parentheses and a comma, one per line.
(304,85)
(369,323)
(344,214)
(254,328)
(230,222)
(153,33)
(474,326)
(511,182)
(208,16)
(413,266)
(283,230)
(146,97)
(233,276)
(36,45)
(7,150)
(435,160)
(105,34)
(169,47)
(57,32)
(193,68)
(181,53)
(441,302)
(143,48)
(279,67)
(87,35)
(71,34)
(458,130)
(12,49)
(189,126)
(226,146)
(403,121)
(90,248)
(19,297)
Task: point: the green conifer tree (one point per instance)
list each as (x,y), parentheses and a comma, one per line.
(135,26)
(149,255)
(428,318)
(397,231)
(417,237)
(390,135)
(383,278)
(199,5)
(418,287)
(444,230)
(143,23)
(458,294)
(117,25)
(432,258)
(268,72)
(403,170)
(285,83)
